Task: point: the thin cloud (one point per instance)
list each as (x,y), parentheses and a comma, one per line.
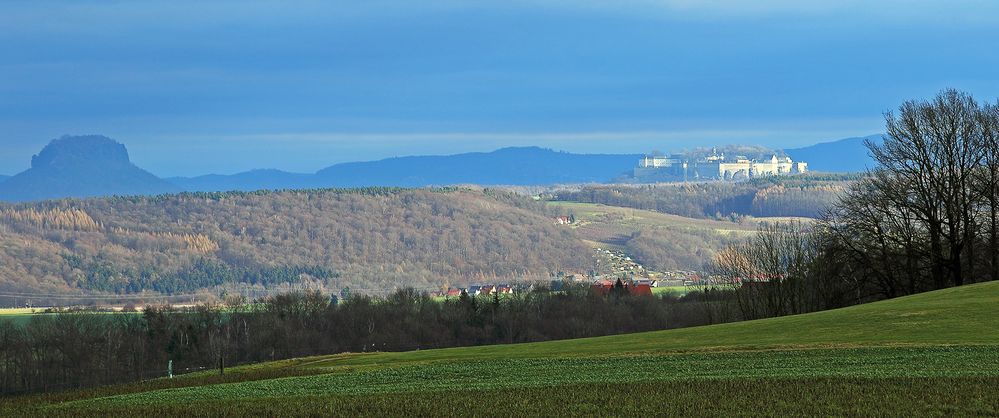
(73,16)
(893,11)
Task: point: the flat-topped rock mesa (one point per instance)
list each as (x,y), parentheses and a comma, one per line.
(82,166)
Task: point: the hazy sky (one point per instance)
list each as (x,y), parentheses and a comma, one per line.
(193,87)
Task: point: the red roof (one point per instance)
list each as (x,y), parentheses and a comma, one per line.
(604,287)
(640,290)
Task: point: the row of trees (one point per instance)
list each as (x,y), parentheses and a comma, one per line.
(925,218)
(72,350)
(204,273)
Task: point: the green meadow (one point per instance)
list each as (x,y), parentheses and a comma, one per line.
(934,354)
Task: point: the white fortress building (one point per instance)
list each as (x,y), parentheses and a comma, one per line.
(715,167)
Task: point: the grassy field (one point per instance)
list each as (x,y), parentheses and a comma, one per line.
(933,354)
(22,316)
(678,290)
(602,223)
(680,243)
(19,315)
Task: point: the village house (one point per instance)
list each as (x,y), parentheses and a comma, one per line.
(605,287)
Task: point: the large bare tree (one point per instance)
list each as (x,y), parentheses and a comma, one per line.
(988,181)
(917,220)
(932,149)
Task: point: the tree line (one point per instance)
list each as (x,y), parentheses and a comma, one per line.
(72,350)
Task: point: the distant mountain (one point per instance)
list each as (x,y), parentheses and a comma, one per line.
(247,181)
(3,177)
(507,166)
(82,166)
(842,156)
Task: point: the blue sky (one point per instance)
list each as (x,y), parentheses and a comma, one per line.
(193,87)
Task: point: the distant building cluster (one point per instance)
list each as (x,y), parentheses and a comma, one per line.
(715,167)
(565,220)
(616,265)
(482,290)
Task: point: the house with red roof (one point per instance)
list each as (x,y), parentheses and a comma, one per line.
(605,287)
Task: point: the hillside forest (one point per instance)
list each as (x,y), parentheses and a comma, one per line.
(371,240)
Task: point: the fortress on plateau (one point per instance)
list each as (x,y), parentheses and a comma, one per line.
(714,166)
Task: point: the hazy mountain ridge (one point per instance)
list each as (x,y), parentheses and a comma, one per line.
(82,166)
(262,179)
(89,166)
(509,166)
(847,155)
(506,166)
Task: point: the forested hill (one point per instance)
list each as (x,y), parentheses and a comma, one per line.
(372,240)
(507,166)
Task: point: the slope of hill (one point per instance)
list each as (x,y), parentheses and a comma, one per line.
(659,241)
(81,166)
(843,156)
(373,240)
(956,316)
(928,354)
(3,177)
(808,196)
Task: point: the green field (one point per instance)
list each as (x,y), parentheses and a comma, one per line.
(679,290)
(604,224)
(930,354)
(19,315)
(680,243)
(22,316)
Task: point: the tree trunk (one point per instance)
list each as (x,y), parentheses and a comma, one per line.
(936,258)
(993,239)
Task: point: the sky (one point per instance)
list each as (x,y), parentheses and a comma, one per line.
(197,87)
